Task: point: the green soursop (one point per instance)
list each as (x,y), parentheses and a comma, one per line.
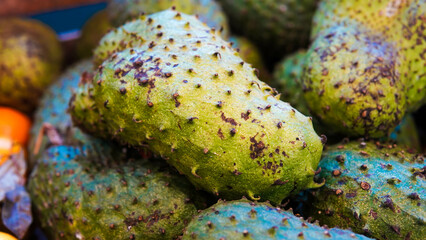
(366,67)
(375,189)
(278,27)
(248,220)
(208,11)
(170,83)
(88,195)
(30,58)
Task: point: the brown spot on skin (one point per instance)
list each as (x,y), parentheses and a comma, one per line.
(336,173)
(365,185)
(373,214)
(279,182)
(351,195)
(364,153)
(388,203)
(414,196)
(340,159)
(245,116)
(229,120)
(233,131)
(256,148)
(339,192)
(220,134)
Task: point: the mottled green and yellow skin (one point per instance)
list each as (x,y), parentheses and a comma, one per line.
(243,219)
(30,58)
(365,67)
(172,84)
(208,11)
(251,54)
(278,27)
(375,189)
(93,195)
(91,33)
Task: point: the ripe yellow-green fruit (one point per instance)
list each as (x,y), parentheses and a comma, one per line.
(30,58)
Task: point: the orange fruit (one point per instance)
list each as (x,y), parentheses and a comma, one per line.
(5,236)
(14,125)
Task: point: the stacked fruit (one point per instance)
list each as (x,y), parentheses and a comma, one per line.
(168,131)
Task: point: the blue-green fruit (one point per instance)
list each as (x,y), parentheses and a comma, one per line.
(171,83)
(375,189)
(366,67)
(83,194)
(249,220)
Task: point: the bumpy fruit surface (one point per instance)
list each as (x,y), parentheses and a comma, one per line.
(374,189)
(91,33)
(251,54)
(53,110)
(90,195)
(208,11)
(29,60)
(248,220)
(366,67)
(174,85)
(278,27)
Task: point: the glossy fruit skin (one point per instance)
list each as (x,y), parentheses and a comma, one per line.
(29,61)
(186,94)
(14,125)
(249,220)
(364,69)
(374,189)
(80,192)
(277,27)
(208,11)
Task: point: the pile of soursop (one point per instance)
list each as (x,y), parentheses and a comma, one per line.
(168,130)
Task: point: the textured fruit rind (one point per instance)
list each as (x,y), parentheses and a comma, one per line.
(375,189)
(208,11)
(278,27)
(187,95)
(53,109)
(365,67)
(82,194)
(30,59)
(248,220)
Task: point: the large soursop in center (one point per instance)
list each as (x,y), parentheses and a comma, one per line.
(170,83)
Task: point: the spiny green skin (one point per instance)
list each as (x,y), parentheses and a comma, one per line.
(278,27)
(248,220)
(208,11)
(92,32)
(29,60)
(87,196)
(53,109)
(251,54)
(364,70)
(406,133)
(190,98)
(374,190)
(287,79)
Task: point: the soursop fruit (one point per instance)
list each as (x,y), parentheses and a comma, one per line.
(89,195)
(30,58)
(91,33)
(375,189)
(170,83)
(365,68)
(53,111)
(278,27)
(208,11)
(249,220)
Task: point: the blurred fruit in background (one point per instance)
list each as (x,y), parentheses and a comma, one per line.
(5,236)
(30,58)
